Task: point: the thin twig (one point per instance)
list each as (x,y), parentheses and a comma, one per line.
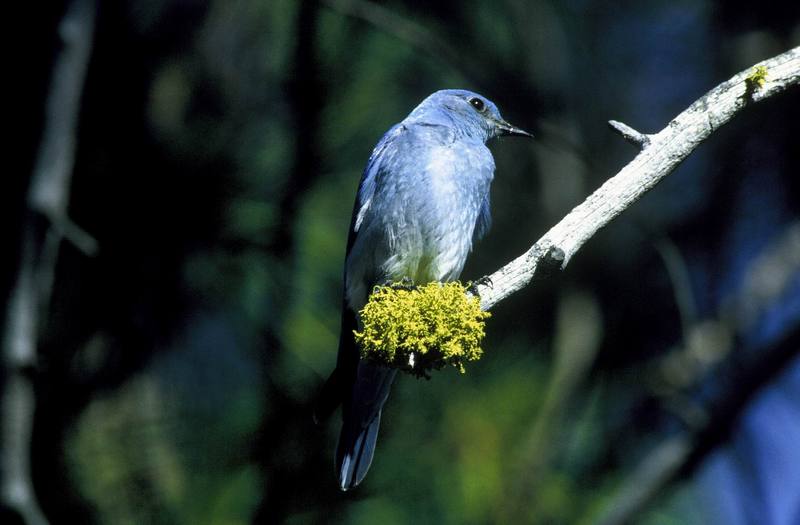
(405,29)
(667,149)
(681,284)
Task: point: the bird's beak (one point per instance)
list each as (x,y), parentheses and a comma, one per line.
(504,128)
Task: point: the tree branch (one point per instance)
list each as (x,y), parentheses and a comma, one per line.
(707,423)
(683,451)
(47,198)
(660,154)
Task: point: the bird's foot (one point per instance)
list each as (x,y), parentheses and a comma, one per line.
(404,284)
(482,281)
(486,280)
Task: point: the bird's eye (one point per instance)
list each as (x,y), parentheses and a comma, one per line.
(477,104)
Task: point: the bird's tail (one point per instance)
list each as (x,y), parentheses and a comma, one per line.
(361,420)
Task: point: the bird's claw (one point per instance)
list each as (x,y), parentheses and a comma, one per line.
(404,284)
(486,280)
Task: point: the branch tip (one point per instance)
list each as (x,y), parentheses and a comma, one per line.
(640,140)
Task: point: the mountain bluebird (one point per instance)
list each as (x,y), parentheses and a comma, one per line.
(422,200)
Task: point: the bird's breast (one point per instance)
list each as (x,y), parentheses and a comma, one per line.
(433,234)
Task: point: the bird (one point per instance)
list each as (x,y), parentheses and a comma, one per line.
(422,200)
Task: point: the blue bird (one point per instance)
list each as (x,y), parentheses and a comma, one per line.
(422,200)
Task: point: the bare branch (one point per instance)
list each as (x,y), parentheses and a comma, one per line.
(52,174)
(681,452)
(766,281)
(656,470)
(667,149)
(30,294)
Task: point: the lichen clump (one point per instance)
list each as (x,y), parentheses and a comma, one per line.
(757,78)
(417,329)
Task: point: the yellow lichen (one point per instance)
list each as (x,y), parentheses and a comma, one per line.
(757,78)
(418,329)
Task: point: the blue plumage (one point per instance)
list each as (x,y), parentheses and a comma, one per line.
(422,200)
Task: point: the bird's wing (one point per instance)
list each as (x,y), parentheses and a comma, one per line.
(369,180)
(339,384)
(484,220)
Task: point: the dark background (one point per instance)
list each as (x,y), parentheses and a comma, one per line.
(218,152)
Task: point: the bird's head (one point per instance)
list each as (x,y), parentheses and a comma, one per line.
(473,114)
